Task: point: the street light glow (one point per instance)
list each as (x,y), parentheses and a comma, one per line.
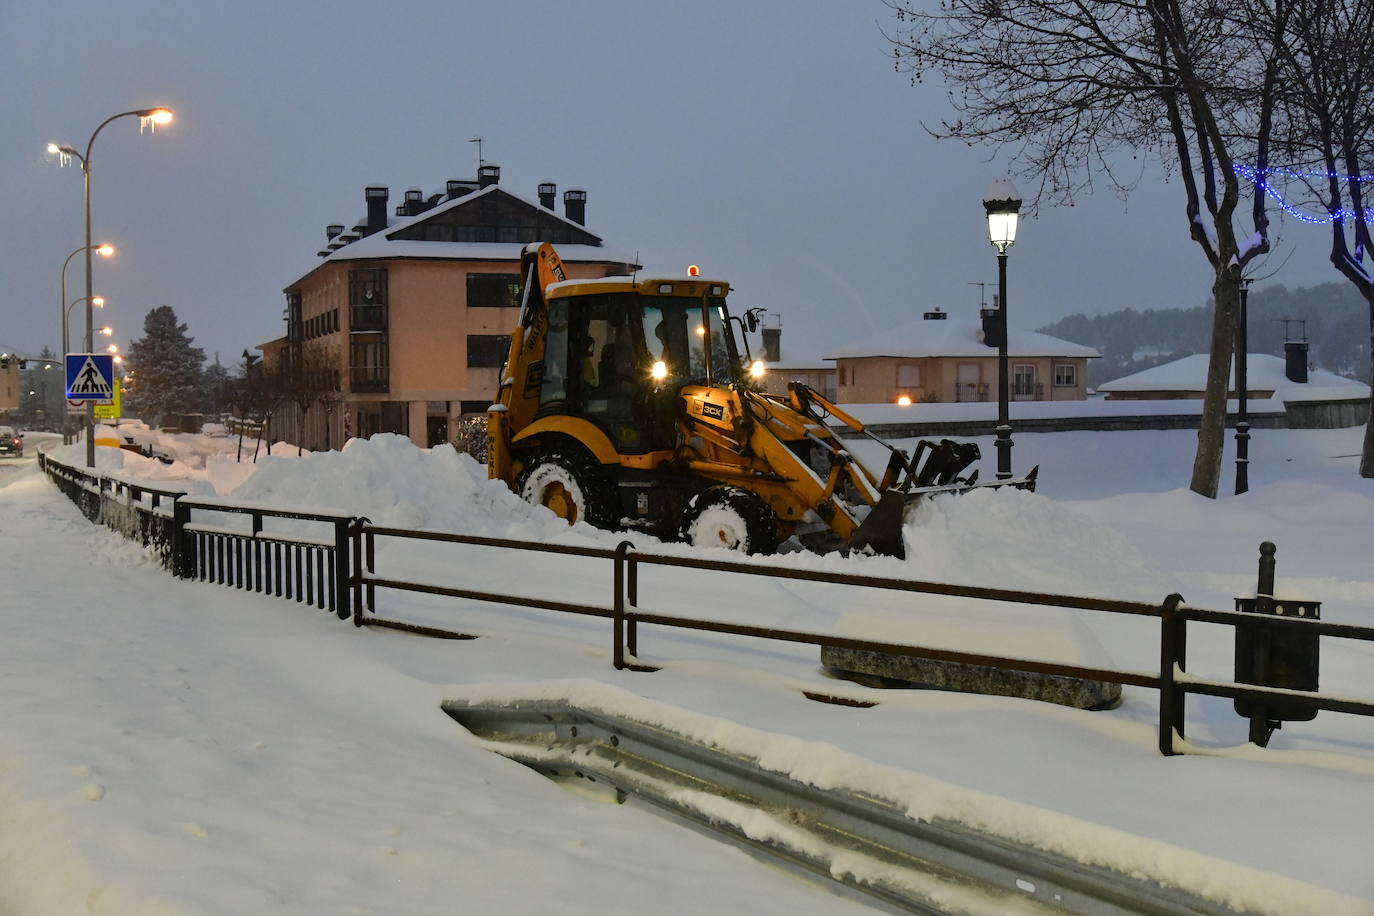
(112,348)
(158,116)
(105,250)
(98,302)
(107,331)
(54,148)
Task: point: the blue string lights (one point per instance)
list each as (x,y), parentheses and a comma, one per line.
(1260,179)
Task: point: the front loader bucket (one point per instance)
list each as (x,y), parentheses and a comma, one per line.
(882,530)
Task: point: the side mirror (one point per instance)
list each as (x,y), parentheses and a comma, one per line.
(751,321)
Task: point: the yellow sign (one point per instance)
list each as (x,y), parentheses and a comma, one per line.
(109,410)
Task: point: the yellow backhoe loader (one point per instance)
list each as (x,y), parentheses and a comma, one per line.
(626,403)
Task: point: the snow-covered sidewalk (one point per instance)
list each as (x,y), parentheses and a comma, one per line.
(171,747)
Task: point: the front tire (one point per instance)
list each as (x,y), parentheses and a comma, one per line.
(571,485)
(730,517)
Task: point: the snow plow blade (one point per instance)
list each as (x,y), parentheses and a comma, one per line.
(881,531)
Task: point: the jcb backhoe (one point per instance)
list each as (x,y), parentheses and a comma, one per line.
(625,403)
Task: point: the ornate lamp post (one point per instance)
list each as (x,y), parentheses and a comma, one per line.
(153,116)
(1002,205)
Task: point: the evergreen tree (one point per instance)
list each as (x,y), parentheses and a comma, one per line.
(216,389)
(167,369)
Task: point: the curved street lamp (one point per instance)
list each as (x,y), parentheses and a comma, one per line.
(153,117)
(1003,207)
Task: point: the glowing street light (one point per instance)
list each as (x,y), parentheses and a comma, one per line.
(107,331)
(151,118)
(1003,206)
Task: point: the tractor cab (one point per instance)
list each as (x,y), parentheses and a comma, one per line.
(619,352)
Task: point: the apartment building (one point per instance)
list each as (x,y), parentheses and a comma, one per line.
(408,312)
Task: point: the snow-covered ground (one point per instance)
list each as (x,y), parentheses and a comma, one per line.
(178,748)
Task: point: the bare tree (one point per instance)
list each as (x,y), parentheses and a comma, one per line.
(309,378)
(260,391)
(1073,86)
(1327,134)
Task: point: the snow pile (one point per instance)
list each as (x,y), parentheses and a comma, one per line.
(394,483)
(1014,539)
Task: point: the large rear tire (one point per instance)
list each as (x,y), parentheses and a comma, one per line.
(730,517)
(571,485)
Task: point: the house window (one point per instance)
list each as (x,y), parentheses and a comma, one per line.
(1023,380)
(908,375)
(843,372)
(488,351)
(493,291)
(1065,375)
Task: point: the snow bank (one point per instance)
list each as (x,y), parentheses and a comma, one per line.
(394,483)
(1015,539)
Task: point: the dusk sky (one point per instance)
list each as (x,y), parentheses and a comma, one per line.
(771,143)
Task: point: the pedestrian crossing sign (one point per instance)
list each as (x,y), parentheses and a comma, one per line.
(90,376)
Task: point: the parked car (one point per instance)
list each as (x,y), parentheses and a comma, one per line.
(11,442)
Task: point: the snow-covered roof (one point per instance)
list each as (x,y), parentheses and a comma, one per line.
(1262,373)
(953,336)
(382,244)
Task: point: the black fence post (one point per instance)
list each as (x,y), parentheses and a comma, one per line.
(341,569)
(356,582)
(618,606)
(182,559)
(1172,644)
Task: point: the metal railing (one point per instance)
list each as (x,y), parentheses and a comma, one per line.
(139,512)
(338,573)
(1171,680)
(304,569)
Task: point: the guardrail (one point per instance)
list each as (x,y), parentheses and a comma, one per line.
(338,573)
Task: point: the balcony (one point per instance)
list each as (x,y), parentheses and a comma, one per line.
(369,380)
(367,318)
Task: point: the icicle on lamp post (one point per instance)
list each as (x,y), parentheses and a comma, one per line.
(152,118)
(63,309)
(1003,206)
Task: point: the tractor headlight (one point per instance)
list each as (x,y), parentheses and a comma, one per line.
(757,369)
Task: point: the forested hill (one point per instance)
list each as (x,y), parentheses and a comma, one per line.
(1130,340)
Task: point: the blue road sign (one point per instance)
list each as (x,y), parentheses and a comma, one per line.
(90,376)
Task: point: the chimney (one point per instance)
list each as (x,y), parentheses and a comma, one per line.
(575,205)
(414,201)
(992,328)
(548,193)
(488,175)
(772,344)
(332,230)
(376,208)
(1295,361)
(457,187)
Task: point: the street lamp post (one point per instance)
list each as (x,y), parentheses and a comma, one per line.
(1002,206)
(153,116)
(63,310)
(1243,395)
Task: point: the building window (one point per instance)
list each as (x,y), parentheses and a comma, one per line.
(367,294)
(1065,375)
(493,291)
(367,362)
(908,375)
(843,372)
(488,351)
(1023,380)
